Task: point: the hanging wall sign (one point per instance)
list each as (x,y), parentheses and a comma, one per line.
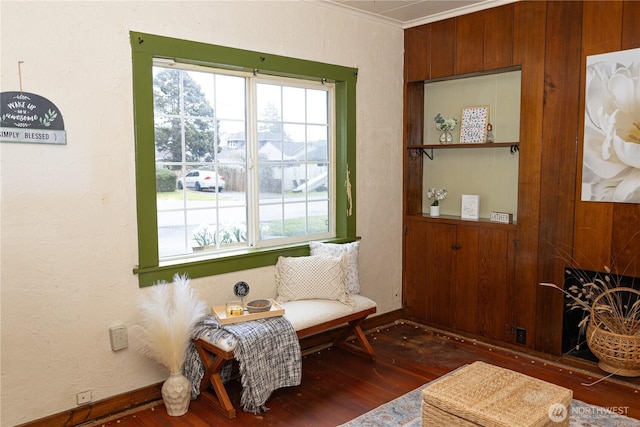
(30,118)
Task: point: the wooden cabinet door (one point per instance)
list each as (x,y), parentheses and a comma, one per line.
(438,266)
(464,307)
(496,281)
(428,267)
(484,279)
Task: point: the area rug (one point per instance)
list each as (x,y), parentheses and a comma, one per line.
(405,411)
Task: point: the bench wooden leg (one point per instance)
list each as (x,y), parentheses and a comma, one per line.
(212,389)
(364,349)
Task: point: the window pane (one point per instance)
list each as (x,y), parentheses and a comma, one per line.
(172,238)
(166,91)
(317,101)
(192,209)
(270,180)
(269,102)
(295,219)
(168,139)
(293,104)
(295,133)
(318,149)
(198,94)
(200,142)
(293,176)
(270,141)
(230,97)
(202,229)
(319,216)
(271,222)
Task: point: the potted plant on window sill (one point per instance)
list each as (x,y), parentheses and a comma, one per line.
(205,237)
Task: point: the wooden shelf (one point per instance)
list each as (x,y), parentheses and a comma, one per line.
(457,220)
(513,146)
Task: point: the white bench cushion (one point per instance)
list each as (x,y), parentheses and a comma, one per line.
(304,314)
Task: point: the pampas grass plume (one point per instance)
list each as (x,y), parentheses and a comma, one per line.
(168,315)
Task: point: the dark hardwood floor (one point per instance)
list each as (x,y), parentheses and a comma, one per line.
(338,386)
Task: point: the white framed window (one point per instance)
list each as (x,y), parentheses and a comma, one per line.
(253,158)
(245,154)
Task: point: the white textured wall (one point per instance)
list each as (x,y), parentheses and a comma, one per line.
(68,242)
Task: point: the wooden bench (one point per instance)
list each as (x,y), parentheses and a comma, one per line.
(308,318)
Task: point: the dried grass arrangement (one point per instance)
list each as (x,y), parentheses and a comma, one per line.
(604,300)
(168,314)
(611,319)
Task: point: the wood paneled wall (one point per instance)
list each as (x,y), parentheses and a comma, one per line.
(550,41)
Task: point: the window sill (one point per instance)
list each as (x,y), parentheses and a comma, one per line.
(223,263)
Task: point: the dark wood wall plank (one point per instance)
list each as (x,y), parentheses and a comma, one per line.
(528,51)
(498,38)
(559,160)
(470,43)
(593,228)
(626,240)
(630,24)
(417,63)
(625,245)
(443,48)
(413,135)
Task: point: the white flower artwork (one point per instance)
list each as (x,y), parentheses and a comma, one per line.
(611,165)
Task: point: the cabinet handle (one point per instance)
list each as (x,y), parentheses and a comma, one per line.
(455,246)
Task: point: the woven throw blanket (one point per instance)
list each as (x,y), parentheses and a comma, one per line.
(267,350)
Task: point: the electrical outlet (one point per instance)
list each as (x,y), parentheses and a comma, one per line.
(521,335)
(83,397)
(118,337)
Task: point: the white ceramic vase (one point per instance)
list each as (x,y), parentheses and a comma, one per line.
(176,394)
(434,210)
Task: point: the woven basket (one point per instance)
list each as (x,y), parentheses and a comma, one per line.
(481,394)
(617,354)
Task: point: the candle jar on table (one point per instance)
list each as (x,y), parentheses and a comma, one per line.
(234,308)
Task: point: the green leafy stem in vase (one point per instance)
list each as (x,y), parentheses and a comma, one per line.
(445,125)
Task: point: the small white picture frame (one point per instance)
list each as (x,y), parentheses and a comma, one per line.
(470,206)
(473,129)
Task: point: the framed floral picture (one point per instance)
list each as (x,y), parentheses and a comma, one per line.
(611,157)
(473,127)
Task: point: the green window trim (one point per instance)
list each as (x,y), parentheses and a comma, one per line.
(146,47)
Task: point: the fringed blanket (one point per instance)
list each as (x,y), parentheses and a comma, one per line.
(267,350)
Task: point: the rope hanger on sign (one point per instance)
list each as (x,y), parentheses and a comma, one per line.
(20,74)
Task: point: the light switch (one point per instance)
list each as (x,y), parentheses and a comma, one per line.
(118,337)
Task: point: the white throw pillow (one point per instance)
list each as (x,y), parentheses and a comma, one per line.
(334,249)
(312,277)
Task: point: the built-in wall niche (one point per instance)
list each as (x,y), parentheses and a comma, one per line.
(491,173)
(500,91)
